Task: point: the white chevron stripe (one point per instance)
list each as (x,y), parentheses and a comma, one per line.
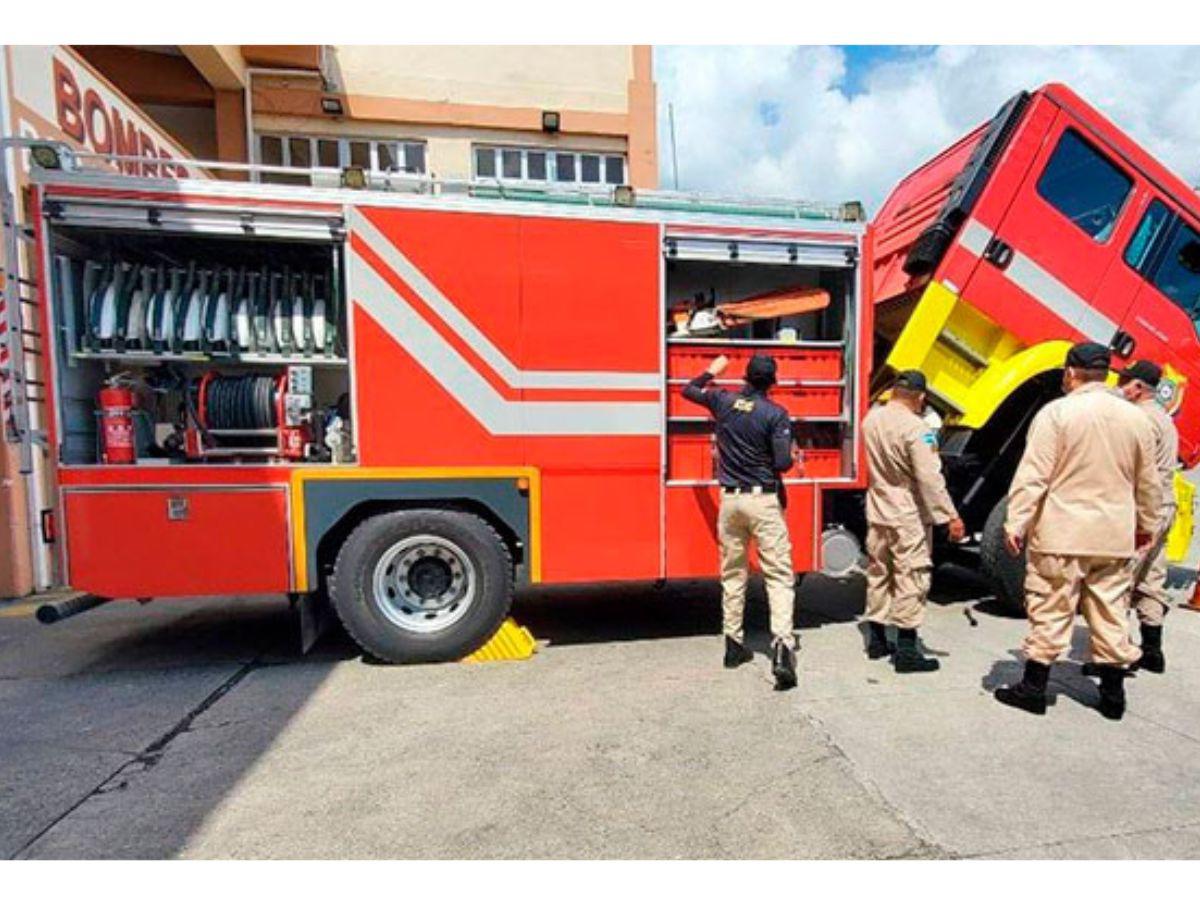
(497,414)
(478,341)
(1043,287)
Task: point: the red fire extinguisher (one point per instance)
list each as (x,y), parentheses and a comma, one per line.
(116,425)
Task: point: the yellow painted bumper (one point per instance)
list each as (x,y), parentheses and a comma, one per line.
(972,364)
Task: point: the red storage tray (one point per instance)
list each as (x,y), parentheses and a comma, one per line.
(800,401)
(794,363)
(690,457)
(822,463)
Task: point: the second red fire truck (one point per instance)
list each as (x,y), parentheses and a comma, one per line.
(415,400)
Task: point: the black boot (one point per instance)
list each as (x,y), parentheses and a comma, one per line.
(1112,692)
(1152,653)
(783,666)
(735,653)
(907,657)
(878,646)
(1029,693)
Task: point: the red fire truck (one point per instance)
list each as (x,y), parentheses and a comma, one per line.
(414,399)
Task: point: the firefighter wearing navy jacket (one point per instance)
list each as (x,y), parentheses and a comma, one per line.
(906,497)
(755,448)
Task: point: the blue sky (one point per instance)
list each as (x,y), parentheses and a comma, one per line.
(863,58)
(846,122)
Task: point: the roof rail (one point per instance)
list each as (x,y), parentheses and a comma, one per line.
(56,155)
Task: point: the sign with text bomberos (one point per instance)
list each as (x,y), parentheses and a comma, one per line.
(55,94)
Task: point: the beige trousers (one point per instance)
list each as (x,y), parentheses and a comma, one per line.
(898,573)
(759,517)
(1056,587)
(1150,598)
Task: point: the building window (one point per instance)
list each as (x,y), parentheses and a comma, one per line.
(589,168)
(300,152)
(1083,185)
(538,165)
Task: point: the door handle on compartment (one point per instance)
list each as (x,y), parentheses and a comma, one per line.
(177,509)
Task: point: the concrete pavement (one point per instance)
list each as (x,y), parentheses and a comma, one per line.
(193,729)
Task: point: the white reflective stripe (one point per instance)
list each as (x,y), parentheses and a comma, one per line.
(1043,287)
(465,328)
(974,237)
(461,380)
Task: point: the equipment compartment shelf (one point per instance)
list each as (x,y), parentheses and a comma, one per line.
(801,401)
(148,358)
(795,362)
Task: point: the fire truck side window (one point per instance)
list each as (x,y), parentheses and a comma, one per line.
(1154,221)
(1178,273)
(1084,186)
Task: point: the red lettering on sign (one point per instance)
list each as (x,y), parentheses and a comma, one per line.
(67,101)
(170,170)
(91,121)
(95,118)
(125,140)
(148,149)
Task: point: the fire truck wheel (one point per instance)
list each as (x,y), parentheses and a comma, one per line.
(422,585)
(1007,572)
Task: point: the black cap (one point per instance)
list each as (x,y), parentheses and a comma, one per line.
(760,371)
(913,379)
(1143,370)
(1089,356)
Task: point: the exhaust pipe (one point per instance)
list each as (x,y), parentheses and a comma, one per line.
(57,610)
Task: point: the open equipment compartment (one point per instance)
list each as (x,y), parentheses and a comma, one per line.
(738,297)
(222,339)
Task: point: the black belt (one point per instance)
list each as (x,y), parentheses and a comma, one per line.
(749,489)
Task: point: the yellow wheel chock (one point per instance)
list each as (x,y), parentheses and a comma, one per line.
(510,641)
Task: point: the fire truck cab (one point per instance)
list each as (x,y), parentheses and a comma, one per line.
(1045,226)
(415,399)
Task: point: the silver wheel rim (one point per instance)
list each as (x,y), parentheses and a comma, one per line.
(424,583)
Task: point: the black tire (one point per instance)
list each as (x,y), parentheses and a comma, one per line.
(386,624)
(1006,571)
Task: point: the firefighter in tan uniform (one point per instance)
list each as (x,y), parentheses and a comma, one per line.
(906,497)
(1139,383)
(754,449)
(1084,498)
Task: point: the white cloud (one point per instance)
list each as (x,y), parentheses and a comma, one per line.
(774,121)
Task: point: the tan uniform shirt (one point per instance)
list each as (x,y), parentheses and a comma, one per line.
(905,472)
(1087,481)
(1166,455)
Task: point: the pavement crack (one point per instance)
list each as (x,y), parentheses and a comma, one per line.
(1043,845)
(147,758)
(927,844)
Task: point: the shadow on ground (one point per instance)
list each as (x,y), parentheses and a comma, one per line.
(100,715)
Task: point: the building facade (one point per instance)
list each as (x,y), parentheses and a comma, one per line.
(546,114)
(537,115)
